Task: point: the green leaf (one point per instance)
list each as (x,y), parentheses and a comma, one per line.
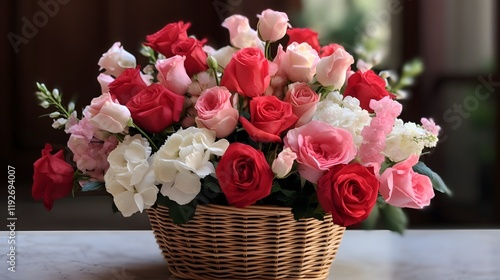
(394,218)
(436,180)
(181,214)
(371,221)
(212,184)
(92,186)
(306,203)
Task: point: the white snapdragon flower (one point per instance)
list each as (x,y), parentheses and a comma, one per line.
(130,177)
(344,113)
(184,159)
(407,139)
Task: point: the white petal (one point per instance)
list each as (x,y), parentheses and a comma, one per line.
(219,147)
(149,196)
(185,188)
(139,202)
(125,203)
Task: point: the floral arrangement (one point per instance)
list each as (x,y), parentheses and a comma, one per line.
(252,123)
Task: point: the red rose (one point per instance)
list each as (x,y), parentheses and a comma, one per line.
(301,35)
(247,73)
(330,49)
(162,40)
(269,117)
(365,87)
(192,49)
(348,192)
(155,108)
(52,177)
(128,84)
(244,175)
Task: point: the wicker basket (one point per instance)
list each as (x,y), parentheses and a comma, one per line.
(257,242)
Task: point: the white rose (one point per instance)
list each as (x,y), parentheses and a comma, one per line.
(130,177)
(116,60)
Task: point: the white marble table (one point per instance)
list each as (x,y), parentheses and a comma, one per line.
(134,255)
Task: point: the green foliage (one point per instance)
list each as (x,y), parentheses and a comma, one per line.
(306,204)
(180,214)
(393,217)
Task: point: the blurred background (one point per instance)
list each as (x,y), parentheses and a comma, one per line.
(58,42)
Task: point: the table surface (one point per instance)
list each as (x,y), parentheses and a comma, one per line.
(134,255)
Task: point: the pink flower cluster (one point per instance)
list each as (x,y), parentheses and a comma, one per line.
(370,152)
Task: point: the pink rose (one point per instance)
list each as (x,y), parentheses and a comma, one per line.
(298,62)
(240,34)
(116,60)
(283,163)
(304,101)
(215,111)
(272,25)
(402,187)
(106,114)
(319,146)
(331,70)
(172,74)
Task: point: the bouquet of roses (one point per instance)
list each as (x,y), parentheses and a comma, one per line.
(240,126)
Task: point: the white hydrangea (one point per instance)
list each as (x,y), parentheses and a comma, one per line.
(130,177)
(183,159)
(343,112)
(407,139)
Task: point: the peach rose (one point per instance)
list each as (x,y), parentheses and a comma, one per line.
(107,115)
(331,70)
(240,33)
(116,60)
(272,25)
(298,62)
(172,74)
(215,111)
(304,101)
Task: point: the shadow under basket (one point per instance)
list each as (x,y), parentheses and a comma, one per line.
(256,242)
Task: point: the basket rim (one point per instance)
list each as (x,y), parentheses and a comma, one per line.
(253,209)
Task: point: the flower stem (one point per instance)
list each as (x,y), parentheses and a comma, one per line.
(267,50)
(153,145)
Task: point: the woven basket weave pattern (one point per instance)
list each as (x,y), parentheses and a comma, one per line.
(257,242)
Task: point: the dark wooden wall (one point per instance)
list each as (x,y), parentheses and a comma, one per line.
(63,52)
